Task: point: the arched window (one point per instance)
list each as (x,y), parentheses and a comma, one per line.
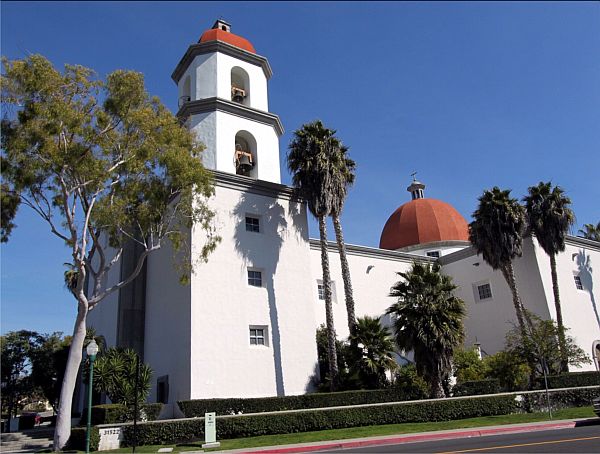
(245,155)
(240,86)
(186,91)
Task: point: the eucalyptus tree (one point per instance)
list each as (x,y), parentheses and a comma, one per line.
(102,163)
(591,231)
(308,162)
(549,218)
(497,234)
(428,320)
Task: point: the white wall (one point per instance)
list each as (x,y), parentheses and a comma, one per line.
(258,81)
(489,320)
(580,308)
(168,325)
(223,362)
(373,273)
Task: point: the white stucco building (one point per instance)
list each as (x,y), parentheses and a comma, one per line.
(245,326)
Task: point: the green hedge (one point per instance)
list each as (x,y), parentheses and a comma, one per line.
(117,413)
(197,408)
(77,439)
(571,380)
(476,388)
(560,399)
(270,424)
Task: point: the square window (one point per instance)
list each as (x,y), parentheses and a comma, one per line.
(321,291)
(258,335)
(484,291)
(435,254)
(578,283)
(252,224)
(255,278)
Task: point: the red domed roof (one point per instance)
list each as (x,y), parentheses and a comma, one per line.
(216,34)
(423,221)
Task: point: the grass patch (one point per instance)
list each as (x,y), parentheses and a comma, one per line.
(374,431)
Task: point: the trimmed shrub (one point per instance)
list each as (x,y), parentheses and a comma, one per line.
(197,408)
(169,432)
(570,380)
(476,387)
(77,439)
(118,413)
(577,397)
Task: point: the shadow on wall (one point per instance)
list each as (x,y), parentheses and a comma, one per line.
(585,274)
(261,249)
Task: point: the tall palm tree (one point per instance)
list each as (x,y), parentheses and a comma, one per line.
(497,234)
(591,231)
(374,351)
(308,162)
(549,218)
(342,176)
(428,321)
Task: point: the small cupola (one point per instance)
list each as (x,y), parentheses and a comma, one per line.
(220,24)
(416,188)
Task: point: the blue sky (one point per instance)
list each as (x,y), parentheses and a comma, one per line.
(470,95)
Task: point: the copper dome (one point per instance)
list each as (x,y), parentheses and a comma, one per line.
(422,221)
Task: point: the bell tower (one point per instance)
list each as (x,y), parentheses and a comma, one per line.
(223,98)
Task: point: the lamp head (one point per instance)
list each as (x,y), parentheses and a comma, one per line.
(92,349)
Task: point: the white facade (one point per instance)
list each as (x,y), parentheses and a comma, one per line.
(245,326)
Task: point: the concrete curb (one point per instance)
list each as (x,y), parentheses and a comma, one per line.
(409,438)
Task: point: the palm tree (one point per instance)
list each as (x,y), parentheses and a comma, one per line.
(308,162)
(428,321)
(497,234)
(591,231)
(550,217)
(342,173)
(373,350)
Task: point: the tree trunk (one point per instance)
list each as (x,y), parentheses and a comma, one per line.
(345,274)
(331,351)
(562,344)
(508,273)
(63,418)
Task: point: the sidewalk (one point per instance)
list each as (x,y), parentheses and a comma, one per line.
(413,437)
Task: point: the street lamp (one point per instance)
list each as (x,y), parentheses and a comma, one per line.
(91,350)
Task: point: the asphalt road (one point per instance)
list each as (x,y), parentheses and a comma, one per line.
(585,439)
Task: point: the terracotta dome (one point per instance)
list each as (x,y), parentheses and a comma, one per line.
(216,34)
(422,221)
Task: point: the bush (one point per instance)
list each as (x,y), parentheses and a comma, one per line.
(476,387)
(77,439)
(408,382)
(570,380)
(197,408)
(289,422)
(560,399)
(118,413)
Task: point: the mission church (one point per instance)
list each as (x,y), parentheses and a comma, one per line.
(245,326)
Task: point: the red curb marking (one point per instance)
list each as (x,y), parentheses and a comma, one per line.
(412,438)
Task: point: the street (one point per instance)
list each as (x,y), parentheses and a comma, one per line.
(583,439)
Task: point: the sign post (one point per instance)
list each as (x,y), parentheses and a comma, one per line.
(210,431)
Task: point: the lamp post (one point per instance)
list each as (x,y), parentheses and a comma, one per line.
(91,350)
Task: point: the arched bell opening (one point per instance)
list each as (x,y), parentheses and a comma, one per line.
(186,91)
(240,86)
(245,156)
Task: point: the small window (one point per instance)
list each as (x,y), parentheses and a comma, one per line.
(252,224)
(258,335)
(435,254)
(321,291)
(255,278)
(578,283)
(485,291)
